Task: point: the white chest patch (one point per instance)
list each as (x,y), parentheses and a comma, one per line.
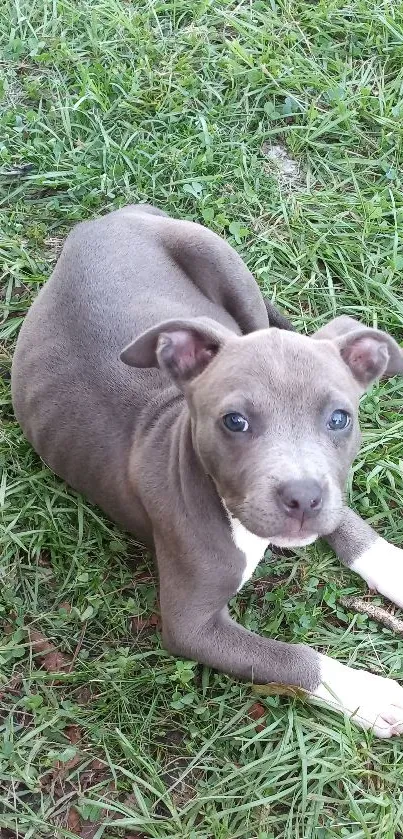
(252,546)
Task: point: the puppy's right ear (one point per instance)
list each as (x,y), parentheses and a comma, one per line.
(183,348)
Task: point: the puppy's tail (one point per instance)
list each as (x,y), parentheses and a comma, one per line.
(276,318)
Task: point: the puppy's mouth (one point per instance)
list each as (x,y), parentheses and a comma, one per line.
(296,534)
(286,532)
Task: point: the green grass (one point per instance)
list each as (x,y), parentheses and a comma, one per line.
(105,102)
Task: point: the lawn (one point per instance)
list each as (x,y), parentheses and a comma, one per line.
(278,124)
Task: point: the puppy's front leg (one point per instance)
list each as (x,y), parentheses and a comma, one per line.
(378,562)
(196,625)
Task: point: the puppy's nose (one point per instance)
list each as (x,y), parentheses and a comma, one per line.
(301,498)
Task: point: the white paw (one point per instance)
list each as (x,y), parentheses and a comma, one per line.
(371,701)
(381,566)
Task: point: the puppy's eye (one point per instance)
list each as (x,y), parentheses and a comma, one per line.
(338,420)
(235,422)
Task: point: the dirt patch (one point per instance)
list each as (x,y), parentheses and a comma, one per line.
(54,245)
(285,168)
(180,783)
(13,96)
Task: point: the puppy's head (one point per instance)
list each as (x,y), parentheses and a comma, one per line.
(274,414)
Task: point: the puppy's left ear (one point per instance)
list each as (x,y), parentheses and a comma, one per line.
(369,353)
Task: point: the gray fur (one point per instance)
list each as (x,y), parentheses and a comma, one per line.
(145,442)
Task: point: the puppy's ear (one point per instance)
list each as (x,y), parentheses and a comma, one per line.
(369,353)
(183,348)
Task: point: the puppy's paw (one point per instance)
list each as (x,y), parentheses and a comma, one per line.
(381,566)
(371,701)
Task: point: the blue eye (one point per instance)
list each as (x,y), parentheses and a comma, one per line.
(235,422)
(338,420)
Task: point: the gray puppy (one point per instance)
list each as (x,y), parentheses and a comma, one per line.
(146,375)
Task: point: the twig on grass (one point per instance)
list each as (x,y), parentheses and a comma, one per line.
(78,647)
(377,613)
